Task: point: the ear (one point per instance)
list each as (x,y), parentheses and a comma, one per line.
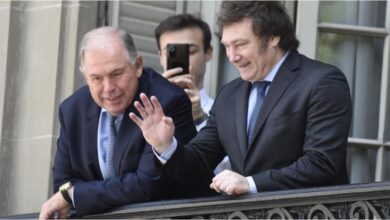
(139,65)
(274,41)
(209,54)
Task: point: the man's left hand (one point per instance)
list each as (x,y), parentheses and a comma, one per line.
(56,204)
(230,183)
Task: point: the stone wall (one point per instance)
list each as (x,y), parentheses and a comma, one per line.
(38,61)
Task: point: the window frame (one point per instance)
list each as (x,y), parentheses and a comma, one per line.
(307,24)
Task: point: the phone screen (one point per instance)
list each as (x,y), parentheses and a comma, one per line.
(178,56)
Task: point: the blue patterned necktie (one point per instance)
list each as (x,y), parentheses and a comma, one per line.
(261,88)
(109,124)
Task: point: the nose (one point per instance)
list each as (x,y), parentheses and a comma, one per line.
(109,85)
(233,56)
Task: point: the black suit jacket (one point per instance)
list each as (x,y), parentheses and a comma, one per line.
(300,135)
(76,159)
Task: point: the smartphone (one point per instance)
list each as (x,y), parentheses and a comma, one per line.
(178,56)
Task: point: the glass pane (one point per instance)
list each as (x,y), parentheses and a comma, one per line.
(362,13)
(361,164)
(360,59)
(387,125)
(387,165)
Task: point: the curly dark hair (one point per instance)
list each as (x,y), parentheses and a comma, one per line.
(269,18)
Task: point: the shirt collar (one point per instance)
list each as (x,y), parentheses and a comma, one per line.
(204,98)
(118,118)
(202,93)
(271,75)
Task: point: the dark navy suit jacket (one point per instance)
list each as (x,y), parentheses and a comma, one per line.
(76,158)
(300,136)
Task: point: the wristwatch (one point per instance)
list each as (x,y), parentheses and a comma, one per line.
(64,192)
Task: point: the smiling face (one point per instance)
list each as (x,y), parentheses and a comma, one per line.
(198,57)
(253,57)
(112,80)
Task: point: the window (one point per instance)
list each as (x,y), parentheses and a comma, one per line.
(140,19)
(353,36)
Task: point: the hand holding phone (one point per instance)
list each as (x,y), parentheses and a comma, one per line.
(178,56)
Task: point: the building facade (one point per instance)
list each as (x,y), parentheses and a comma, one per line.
(39,69)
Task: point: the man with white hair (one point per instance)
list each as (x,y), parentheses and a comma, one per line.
(102,160)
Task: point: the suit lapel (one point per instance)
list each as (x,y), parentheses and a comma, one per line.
(91,131)
(280,83)
(128,130)
(240,113)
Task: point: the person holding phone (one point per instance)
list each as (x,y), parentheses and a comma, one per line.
(186,29)
(284,123)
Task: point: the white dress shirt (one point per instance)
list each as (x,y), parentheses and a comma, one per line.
(205,103)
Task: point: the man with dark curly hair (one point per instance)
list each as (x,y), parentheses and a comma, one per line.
(284,123)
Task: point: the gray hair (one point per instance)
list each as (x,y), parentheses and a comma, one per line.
(124,38)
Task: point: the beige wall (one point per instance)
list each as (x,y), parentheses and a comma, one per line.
(37,71)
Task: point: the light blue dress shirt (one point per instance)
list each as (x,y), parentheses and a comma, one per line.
(103,136)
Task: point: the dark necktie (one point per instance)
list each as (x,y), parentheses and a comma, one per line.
(111,139)
(261,88)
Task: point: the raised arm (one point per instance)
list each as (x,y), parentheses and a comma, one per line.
(157,128)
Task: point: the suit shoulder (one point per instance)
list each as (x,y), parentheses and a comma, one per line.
(231,86)
(160,87)
(81,97)
(157,81)
(314,73)
(316,67)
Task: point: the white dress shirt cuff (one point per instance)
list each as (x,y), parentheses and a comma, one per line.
(252,185)
(71,197)
(167,154)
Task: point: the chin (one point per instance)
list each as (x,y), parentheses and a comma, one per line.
(245,77)
(116,113)
(116,110)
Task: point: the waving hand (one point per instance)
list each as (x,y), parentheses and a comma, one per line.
(157,128)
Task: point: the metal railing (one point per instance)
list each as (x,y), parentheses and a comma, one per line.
(356,201)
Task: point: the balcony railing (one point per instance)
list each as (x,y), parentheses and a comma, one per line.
(356,201)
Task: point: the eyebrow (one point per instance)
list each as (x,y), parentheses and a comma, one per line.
(194,45)
(113,71)
(234,41)
(92,75)
(117,69)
